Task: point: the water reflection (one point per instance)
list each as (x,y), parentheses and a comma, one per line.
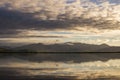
(82,70)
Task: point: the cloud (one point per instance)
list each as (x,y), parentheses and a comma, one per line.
(53,14)
(16,36)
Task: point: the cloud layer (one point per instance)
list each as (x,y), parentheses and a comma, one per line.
(17,16)
(54,9)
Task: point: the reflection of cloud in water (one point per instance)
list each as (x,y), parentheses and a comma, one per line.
(85,69)
(96,65)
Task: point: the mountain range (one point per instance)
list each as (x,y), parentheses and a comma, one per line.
(63,47)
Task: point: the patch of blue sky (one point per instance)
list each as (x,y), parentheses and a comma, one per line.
(70,1)
(111,1)
(60,32)
(115,1)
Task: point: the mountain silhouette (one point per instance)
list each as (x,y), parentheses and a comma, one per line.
(65,47)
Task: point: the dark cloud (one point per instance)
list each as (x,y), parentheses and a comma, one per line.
(18,36)
(12,20)
(45,36)
(15,20)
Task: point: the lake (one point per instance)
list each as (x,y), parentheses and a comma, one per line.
(60,67)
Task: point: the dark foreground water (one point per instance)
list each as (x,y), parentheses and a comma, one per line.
(15,74)
(60,67)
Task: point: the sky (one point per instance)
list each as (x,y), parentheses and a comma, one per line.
(60,21)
